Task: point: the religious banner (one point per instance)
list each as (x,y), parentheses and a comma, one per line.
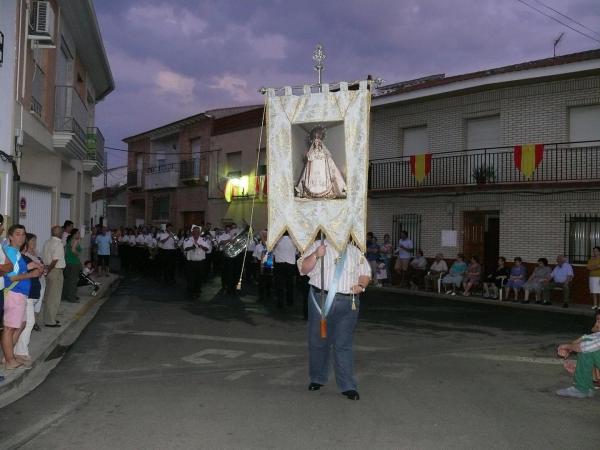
(318,156)
(528,157)
(420,166)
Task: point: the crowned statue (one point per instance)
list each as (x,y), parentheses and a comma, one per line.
(320,179)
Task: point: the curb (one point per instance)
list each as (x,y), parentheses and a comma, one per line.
(70,333)
(574,310)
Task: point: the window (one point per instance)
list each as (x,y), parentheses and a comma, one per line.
(234,165)
(583,124)
(414,141)
(582,233)
(483,132)
(160,207)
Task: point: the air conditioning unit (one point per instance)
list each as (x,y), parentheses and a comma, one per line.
(41,22)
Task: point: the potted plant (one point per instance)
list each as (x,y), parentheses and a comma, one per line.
(483,174)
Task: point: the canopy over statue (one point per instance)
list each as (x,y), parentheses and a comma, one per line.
(318,155)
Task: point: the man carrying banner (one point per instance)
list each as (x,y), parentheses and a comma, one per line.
(346,276)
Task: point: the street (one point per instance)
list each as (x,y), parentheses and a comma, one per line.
(155,371)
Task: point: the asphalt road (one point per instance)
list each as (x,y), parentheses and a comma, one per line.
(154,371)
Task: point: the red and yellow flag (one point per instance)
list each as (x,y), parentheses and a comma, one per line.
(528,157)
(420,166)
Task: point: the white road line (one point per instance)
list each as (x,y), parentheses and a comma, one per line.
(203,337)
(197,358)
(236,375)
(511,358)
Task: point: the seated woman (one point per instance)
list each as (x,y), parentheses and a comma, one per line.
(537,280)
(455,275)
(496,280)
(516,280)
(416,270)
(472,277)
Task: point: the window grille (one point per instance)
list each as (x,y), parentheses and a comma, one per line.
(582,233)
(410,223)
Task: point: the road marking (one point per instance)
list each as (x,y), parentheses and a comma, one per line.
(511,358)
(203,337)
(197,358)
(236,375)
(285,379)
(271,356)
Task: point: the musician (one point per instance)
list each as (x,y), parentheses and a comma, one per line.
(140,251)
(220,264)
(195,248)
(167,243)
(351,278)
(265,268)
(124,250)
(284,255)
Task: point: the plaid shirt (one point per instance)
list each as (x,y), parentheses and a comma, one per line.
(590,343)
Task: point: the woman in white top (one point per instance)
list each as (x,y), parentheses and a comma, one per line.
(403,252)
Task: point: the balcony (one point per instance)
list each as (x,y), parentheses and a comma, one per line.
(495,168)
(94,162)
(162,176)
(191,172)
(37,91)
(134,179)
(70,118)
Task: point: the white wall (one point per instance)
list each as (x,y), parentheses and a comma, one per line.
(8,21)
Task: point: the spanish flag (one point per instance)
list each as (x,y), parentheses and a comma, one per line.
(528,157)
(420,166)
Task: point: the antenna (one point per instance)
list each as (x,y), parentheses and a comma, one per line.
(557,40)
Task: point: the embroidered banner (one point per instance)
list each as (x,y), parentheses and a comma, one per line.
(420,166)
(528,157)
(318,156)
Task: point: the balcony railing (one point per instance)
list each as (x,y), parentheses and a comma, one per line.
(193,171)
(95,144)
(70,113)
(37,91)
(561,162)
(162,176)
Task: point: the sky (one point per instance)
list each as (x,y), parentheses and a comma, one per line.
(171,59)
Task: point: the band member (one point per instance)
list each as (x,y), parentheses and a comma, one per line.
(331,324)
(223,266)
(264,261)
(284,254)
(167,243)
(195,248)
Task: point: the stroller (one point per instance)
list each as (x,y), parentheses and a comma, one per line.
(85,280)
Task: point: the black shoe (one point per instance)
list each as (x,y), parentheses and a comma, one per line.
(56,325)
(36,327)
(565,305)
(524,301)
(352,395)
(314,386)
(538,302)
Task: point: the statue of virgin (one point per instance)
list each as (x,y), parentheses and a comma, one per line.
(320,177)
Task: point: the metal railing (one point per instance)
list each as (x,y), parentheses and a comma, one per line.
(70,112)
(190,169)
(162,168)
(562,162)
(95,144)
(37,91)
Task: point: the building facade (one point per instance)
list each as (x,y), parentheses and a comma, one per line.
(179,172)
(502,162)
(61,71)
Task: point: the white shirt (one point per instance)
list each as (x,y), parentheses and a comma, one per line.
(65,235)
(224,237)
(149,241)
(402,253)
(170,243)
(259,249)
(356,265)
(197,253)
(285,251)
(139,239)
(54,249)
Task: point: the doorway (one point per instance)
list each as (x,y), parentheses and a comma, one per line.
(482,237)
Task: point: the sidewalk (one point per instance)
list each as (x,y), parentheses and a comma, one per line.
(573,309)
(49,345)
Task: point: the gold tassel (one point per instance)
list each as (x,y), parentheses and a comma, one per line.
(353,304)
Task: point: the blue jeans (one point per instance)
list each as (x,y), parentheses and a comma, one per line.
(341,322)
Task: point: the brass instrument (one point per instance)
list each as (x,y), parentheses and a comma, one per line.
(237,244)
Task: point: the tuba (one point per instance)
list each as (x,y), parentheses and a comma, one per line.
(238,244)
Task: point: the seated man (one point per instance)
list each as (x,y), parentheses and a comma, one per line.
(416,270)
(436,270)
(561,277)
(587,348)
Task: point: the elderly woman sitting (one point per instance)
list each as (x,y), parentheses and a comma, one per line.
(518,275)
(455,276)
(536,281)
(473,276)
(496,280)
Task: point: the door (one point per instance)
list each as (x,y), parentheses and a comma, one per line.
(65,209)
(192,218)
(37,213)
(482,236)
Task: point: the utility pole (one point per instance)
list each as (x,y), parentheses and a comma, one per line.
(105,206)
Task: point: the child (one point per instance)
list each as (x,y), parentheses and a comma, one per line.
(88,269)
(381,275)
